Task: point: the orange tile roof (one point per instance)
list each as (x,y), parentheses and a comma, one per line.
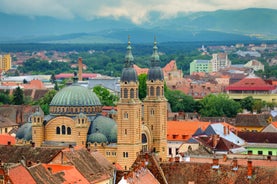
(140,70)
(5,138)
(17,173)
(71,174)
(274,124)
(170,66)
(183,130)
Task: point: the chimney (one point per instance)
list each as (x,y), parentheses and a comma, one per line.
(235,165)
(80,66)
(249,169)
(215,163)
(215,138)
(224,130)
(228,130)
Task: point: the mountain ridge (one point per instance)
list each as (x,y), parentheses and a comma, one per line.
(246,24)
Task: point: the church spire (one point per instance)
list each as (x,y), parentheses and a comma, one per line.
(155,59)
(129,59)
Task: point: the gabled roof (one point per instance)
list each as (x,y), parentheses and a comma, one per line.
(42,175)
(6,122)
(250,83)
(221,144)
(251,120)
(14,154)
(142,175)
(86,164)
(218,128)
(183,130)
(170,66)
(69,173)
(18,172)
(259,137)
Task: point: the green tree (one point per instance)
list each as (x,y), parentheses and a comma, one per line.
(142,86)
(105,96)
(258,105)
(247,103)
(18,98)
(56,87)
(179,101)
(219,105)
(52,79)
(4,98)
(46,100)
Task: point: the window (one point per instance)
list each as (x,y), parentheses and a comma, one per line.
(158,91)
(152,112)
(170,151)
(63,130)
(125,154)
(83,121)
(132,93)
(125,115)
(269,152)
(68,130)
(58,130)
(6,130)
(125,131)
(151,91)
(260,152)
(125,93)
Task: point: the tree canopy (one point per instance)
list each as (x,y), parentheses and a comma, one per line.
(142,86)
(219,105)
(105,96)
(18,98)
(179,101)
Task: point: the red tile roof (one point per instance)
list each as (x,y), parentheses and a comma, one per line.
(71,174)
(183,130)
(19,172)
(250,83)
(5,138)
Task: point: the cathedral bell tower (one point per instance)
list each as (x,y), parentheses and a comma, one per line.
(128,114)
(155,105)
(37,129)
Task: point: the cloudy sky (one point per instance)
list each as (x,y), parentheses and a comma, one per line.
(135,10)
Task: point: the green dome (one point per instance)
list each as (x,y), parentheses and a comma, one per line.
(113,134)
(97,137)
(25,132)
(75,95)
(106,126)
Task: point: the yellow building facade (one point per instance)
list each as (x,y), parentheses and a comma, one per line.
(5,62)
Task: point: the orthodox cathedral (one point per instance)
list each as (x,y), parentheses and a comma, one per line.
(75,118)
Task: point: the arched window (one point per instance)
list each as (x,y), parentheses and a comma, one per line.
(162,91)
(137,92)
(63,129)
(126,115)
(83,121)
(132,93)
(125,93)
(68,130)
(158,92)
(152,112)
(151,91)
(121,93)
(58,130)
